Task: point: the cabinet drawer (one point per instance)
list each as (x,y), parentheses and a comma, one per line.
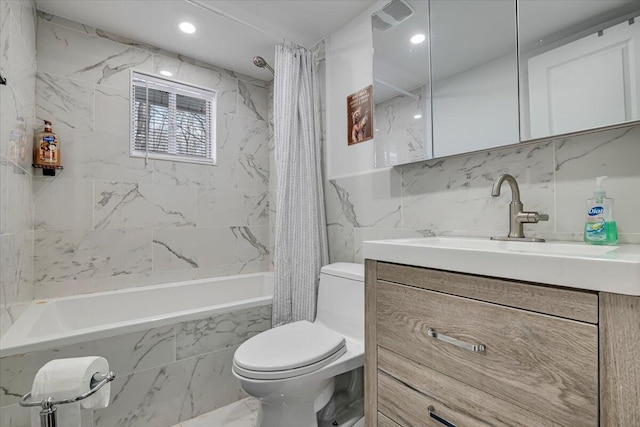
(384,421)
(562,302)
(408,387)
(545,364)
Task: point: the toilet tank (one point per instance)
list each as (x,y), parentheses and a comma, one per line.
(341,299)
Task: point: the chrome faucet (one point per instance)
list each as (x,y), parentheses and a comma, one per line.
(517,217)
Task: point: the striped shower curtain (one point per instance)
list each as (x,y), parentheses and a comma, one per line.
(301,234)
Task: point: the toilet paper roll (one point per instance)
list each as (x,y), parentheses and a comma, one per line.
(68,378)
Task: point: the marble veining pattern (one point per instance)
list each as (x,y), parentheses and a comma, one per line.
(221,331)
(91,254)
(452,196)
(17,119)
(64,101)
(124,205)
(175,217)
(126,354)
(173,393)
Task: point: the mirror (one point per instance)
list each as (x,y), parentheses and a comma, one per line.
(579,65)
(475,75)
(401,83)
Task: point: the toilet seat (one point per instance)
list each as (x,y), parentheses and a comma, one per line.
(288,351)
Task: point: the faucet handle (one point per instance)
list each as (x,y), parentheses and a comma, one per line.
(532,217)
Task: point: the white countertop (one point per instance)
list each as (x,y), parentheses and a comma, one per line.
(614,269)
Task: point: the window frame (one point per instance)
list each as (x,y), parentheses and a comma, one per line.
(182,88)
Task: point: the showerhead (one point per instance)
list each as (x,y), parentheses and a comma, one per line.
(259,61)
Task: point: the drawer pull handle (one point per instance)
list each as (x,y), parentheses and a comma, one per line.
(439,418)
(476,348)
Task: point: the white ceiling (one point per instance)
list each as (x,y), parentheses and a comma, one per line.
(220,39)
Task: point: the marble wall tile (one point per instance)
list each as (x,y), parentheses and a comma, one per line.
(83,57)
(126,354)
(232,208)
(243,135)
(65,102)
(14,416)
(579,160)
(16,272)
(23,57)
(454,195)
(253,171)
(252,101)
(251,267)
(371,200)
(361,235)
(192,248)
(17,200)
(221,331)
(252,243)
(341,242)
(65,203)
(101,156)
(213,78)
(76,254)
(24,14)
(90,68)
(173,393)
(134,205)
(63,22)
(100,284)
(220,176)
(17,112)
(112,110)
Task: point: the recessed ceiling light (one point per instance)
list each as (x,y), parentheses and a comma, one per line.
(417,116)
(187,27)
(166,73)
(418,38)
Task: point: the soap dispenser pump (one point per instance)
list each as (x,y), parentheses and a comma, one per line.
(600,228)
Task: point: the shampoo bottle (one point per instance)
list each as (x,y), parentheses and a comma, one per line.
(47,149)
(600,228)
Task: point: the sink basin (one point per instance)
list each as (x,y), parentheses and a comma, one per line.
(572,264)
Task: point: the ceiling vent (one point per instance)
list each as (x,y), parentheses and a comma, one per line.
(393,13)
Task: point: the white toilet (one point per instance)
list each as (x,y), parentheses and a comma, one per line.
(291,369)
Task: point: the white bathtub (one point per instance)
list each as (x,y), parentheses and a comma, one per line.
(58,322)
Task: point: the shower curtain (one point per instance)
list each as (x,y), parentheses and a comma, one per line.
(301,234)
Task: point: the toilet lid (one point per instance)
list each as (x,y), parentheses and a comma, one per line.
(289,347)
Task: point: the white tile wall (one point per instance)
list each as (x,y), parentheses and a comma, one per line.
(453,196)
(163,375)
(110,221)
(17,115)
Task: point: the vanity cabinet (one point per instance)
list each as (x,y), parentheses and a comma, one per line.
(446,348)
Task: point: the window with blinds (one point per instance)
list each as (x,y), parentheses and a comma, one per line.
(171,120)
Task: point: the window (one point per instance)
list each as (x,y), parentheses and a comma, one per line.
(172,121)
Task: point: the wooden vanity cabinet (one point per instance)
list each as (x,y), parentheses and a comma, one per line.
(446,348)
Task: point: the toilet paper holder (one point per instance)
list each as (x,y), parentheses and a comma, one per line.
(48,413)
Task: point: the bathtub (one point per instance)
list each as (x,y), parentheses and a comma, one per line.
(59,322)
(171,347)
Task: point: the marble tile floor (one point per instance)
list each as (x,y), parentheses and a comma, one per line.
(242,413)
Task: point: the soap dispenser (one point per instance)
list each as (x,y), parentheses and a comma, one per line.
(600,228)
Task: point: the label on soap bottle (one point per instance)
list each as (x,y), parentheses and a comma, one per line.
(595,228)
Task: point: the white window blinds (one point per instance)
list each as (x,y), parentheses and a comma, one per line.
(171,121)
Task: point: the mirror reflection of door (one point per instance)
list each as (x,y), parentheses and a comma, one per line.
(475,75)
(579,65)
(401,83)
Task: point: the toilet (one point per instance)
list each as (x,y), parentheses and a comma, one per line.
(291,369)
